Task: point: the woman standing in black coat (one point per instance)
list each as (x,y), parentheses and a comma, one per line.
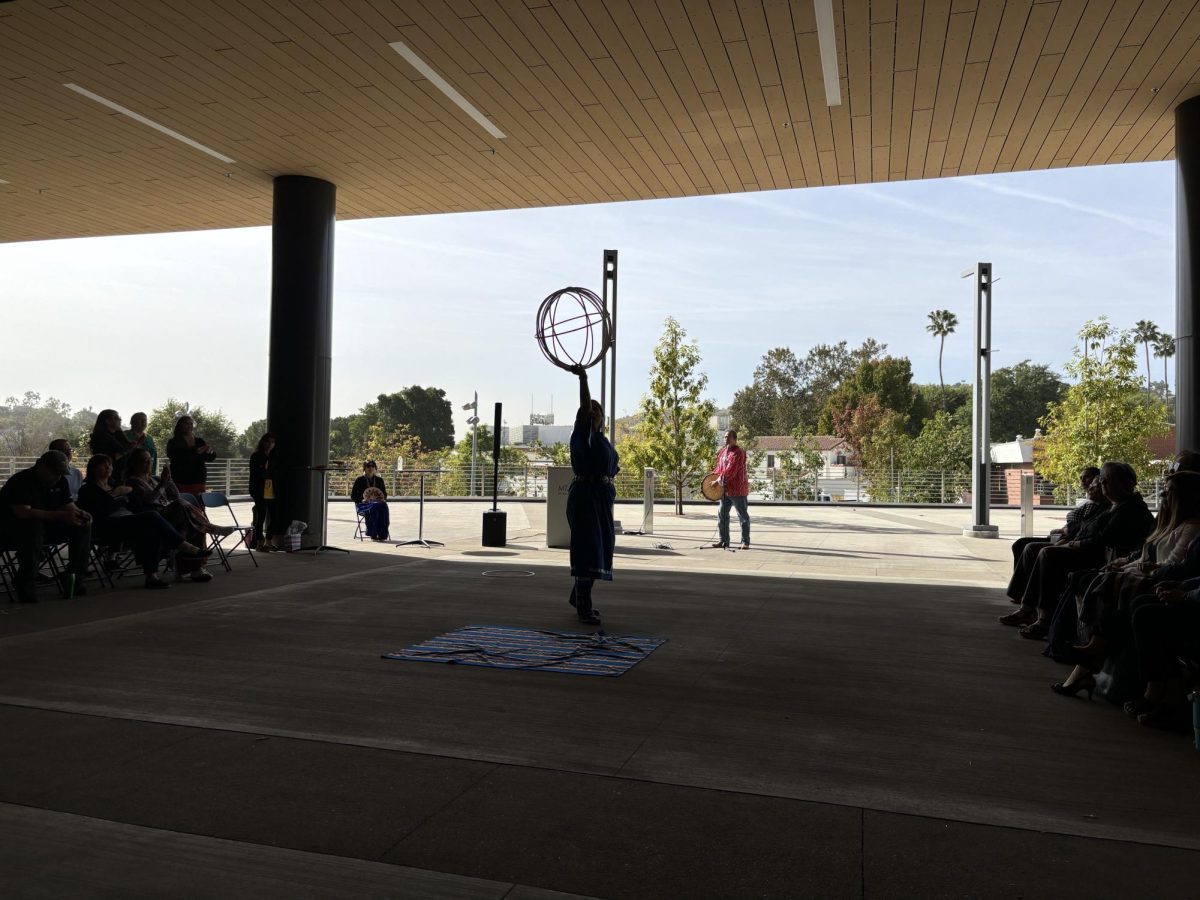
(189,455)
(264,489)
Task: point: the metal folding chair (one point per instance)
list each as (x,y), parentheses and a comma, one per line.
(218,500)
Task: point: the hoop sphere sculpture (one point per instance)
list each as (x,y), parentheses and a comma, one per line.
(573,328)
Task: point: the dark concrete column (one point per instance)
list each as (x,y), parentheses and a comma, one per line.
(301,339)
(1187,266)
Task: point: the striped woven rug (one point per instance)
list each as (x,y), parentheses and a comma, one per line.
(572,653)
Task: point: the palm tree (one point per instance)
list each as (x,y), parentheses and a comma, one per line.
(1146,332)
(1164,346)
(942,322)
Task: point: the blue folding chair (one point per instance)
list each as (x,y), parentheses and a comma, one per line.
(218,500)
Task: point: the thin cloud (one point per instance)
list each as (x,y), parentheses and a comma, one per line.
(1146,226)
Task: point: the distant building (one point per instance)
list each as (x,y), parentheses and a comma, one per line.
(547,435)
(720,422)
(835,453)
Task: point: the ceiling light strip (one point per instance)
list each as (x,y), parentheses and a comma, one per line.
(125,111)
(823,9)
(446,88)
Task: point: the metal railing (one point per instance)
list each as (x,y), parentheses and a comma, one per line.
(232,476)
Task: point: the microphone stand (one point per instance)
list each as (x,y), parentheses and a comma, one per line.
(323,547)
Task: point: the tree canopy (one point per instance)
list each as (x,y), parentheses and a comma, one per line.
(1105,415)
(1021,395)
(789,392)
(674,434)
(28,425)
(212,425)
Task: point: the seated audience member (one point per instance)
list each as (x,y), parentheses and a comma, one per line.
(74,476)
(264,490)
(1104,607)
(1026,557)
(150,534)
(183,511)
(109,440)
(1074,518)
(1165,627)
(1124,525)
(370,499)
(36,510)
(139,440)
(189,455)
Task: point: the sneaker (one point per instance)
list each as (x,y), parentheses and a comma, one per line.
(201,576)
(744,547)
(154,583)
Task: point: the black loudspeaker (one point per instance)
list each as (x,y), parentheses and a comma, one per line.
(495,528)
(495,522)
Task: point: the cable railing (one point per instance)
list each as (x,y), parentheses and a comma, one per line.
(902,487)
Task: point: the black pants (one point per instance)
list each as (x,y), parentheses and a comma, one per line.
(30,537)
(266,516)
(1162,632)
(148,532)
(1025,554)
(1051,570)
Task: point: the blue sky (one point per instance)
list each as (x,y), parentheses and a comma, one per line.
(449,300)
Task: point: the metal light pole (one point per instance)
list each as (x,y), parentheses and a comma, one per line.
(981,413)
(610,292)
(474,423)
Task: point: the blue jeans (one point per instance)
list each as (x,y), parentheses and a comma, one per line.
(738,503)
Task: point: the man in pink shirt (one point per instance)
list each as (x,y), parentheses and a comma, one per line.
(731,473)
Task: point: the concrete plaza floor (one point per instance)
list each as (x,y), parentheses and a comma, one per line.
(835,714)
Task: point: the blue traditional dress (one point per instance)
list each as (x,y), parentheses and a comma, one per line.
(590,501)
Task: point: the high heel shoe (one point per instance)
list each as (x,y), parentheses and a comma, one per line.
(1072,690)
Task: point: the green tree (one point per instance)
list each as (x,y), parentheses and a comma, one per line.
(1164,348)
(340,445)
(424,412)
(958,399)
(788,392)
(803,465)
(212,425)
(941,457)
(675,436)
(772,403)
(456,481)
(1020,396)
(878,437)
(1146,333)
(27,425)
(1105,414)
(247,443)
(942,323)
(889,380)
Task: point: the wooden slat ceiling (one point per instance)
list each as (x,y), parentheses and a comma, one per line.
(599,100)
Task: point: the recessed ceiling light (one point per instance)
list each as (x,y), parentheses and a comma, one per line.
(126,111)
(823,9)
(446,88)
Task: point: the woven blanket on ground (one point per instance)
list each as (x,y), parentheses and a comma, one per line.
(573,653)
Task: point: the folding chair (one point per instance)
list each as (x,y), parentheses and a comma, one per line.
(359,534)
(8,573)
(218,500)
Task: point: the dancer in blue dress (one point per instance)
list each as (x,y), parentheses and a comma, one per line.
(590,501)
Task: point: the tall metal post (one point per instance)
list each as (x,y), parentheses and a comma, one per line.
(473,421)
(981,416)
(610,288)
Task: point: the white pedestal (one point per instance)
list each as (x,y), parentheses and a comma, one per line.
(558,483)
(982,531)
